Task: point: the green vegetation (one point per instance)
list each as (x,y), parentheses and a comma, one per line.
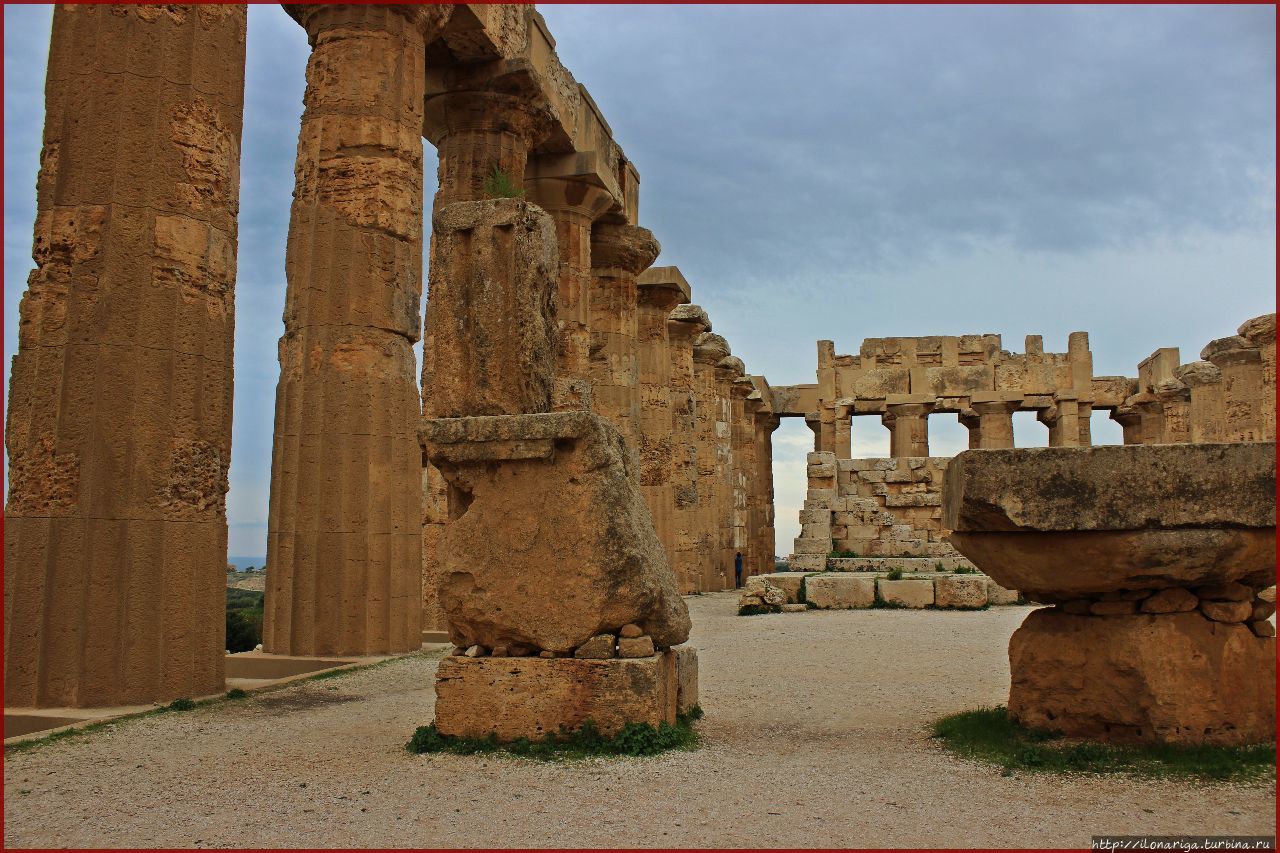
(497,184)
(842,554)
(894,574)
(181,705)
(633,739)
(244,619)
(752,610)
(991,736)
(964,570)
(236,693)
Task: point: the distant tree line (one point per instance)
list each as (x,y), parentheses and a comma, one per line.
(244,619)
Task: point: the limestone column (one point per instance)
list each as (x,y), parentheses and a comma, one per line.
(766,547)
(574,206)
(1063,421)
(742,468)
(659,290)
(344,533)
(1261,332)
(971,421)
(1207,412)
(712,429)
(619,253)
(1241,365)
(685,325)
(119,418)
(1175,417)
(908,425)
(995,423)
(481,135)
(1084,422)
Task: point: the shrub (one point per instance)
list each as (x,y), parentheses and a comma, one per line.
(181,705)
(895,574)
(236,693)
(497,184)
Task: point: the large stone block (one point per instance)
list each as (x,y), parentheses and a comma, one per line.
(533,697)
(907,593)
(840,592)
(960,591)
(788,582)
(1176,678)
(554,545)
(807,562)
(813,546)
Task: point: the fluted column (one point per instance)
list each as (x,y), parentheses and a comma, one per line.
(685,325)
(574,206)
(657,297)
(1207,413)
(1062,420)
(1261,332)
(344,542)
(712,423)
(908,425)
(619,253)
(119,418)
(766,542)
(995,423)
(483,139)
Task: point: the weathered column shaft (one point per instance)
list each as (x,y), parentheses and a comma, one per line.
(1206,410)
(908,429)
(344,533)
(843,435)
(657,443)
(971,421)
(1261,332)
(712,432)
(1242,370)
(1063,423)
(766,547)
(119,419)
(484,143)
(996,424)
(619,253)
(686,323)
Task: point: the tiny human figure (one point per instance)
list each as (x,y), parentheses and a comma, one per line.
(737,571)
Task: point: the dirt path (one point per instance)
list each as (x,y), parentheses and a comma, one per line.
(816,735)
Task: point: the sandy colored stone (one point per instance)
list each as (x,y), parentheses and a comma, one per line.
(907,593)
(1263,609)
(1172,600)
(1178,678)
(1226,611)
(598,647)
(996,594)
(794,608)
(686,662)
(961,591)
(575,554)
(1262,628)
(840,592)
(635,647)
(788,582)
(532,697)
(631,631)
(1224,592)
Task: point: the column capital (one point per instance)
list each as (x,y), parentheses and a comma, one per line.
(573,195)
(1199,373)
(486,111)
(1230,351)
(663,288)
(315,18)
(627,248)
(1259,330)
(686,323)
(907,410)
(995,407)
(709,348)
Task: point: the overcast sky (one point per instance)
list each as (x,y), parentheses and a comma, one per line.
(841,173)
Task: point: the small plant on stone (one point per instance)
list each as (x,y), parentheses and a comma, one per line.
(895,574)
(939,567)
(497,184)
(965,570)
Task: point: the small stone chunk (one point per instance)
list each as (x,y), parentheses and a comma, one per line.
(476,651)
(1113,608)
(518,650)
(773,595)
(458,650)
(1076,607)
(1225,592)
(1226,611)
(1268,594)
(500,651)
(598,647)
(750,601)
(631,631)
(794,608)
(1263,609)
(1262,628)
(546,653)
(635,647)
(1173,600)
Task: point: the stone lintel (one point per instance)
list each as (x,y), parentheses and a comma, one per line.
(996,397)
(904,399)
(534,697)
(1112,391)
(508,436)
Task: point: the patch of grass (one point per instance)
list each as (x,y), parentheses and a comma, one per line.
(990,735)
(878,603)
(633,739)
(236,693)
(752,610)
(497,184)
(183,704)
(895,574)
(964,570)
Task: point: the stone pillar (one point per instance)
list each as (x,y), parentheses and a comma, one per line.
(1241,365)
(844,433)
(573,206)
(742,470)
(1207,411)
(619,253)
(686,324)
(1063,421)
(344,532)
(712,429)
(1084,421)
(119,418)
(1261,332)
(660,290)
(813,420)
(1174,399)
(971,421)
(908,425)
(996,422)
(483,139)
(766,541)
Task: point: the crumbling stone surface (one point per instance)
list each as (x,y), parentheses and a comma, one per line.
(553,545)
(961,591)
(1176,678)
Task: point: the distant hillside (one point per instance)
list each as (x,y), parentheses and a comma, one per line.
(256,581)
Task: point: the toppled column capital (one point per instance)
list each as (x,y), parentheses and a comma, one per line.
(430,20)
(1231,350)
(1199,373)
(618,246)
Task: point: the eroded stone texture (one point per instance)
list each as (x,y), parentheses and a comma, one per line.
(549,542)
(1176,678)
(692,549)
(345,527)
(119,420)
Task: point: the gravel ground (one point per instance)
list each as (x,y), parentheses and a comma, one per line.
(815,735)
